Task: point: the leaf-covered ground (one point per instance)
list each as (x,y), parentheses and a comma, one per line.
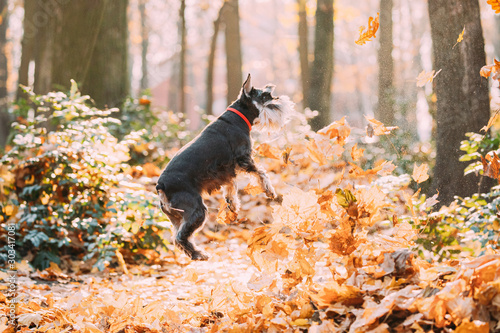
(335,255)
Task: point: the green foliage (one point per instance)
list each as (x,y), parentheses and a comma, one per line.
(472,222)
(156,130)
(65,188)
(402,149)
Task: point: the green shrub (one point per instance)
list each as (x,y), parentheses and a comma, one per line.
(64,186)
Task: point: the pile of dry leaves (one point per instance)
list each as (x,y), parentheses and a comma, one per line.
(335,257)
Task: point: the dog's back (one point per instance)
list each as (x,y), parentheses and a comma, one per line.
(203,166)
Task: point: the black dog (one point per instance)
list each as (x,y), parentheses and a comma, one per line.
(213,159)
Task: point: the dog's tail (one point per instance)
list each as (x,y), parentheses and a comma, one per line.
(165,205)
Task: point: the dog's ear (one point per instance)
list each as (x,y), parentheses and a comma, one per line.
(269,88)
(247,86)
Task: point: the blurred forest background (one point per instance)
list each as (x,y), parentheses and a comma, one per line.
(190,56)
(97,95)
(169,66)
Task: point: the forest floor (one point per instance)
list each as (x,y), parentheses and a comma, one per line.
(337,254)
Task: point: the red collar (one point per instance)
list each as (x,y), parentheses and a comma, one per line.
(242,117)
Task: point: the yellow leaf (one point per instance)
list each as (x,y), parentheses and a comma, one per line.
(425,77)
(339,130)
(45,198)
(495,5)
(253,189)
(266,150)
(365,36)
(460,37)
(191,275)
(121,261)
(225,215)
(345,197)
(473,326)
(8,210)
(492,120)
(492,70)
(356,153)
(315,154)
(420,173)
(300,322)
(378,128)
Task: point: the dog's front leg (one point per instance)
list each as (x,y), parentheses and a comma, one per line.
(231,196)
(250,167)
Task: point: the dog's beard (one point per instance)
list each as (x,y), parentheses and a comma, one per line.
(274,114)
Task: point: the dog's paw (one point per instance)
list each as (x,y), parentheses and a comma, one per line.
(200,255)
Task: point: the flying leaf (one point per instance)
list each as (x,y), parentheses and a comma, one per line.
(460,38)
(495,5)
(491,169)
(492,70)
(339,130)
(356,153)
(420,173)
(425,77)
(378,127)
(225,215)
(492,120)
(315,154)
(366,36)
(266,150)
(253,189)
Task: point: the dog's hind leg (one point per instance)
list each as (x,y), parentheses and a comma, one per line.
(193,216)
(231,195)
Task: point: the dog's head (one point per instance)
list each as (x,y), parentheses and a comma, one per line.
(273,111)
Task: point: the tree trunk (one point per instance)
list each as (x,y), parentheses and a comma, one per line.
(496,40)
(304,51)
(92,48)
(385,107)
(5,118)
(107,74)
(182,68)
(231,18)
(211,63)
(462,96)
(74,46)
(145,45)
(322,67)
(27,45)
